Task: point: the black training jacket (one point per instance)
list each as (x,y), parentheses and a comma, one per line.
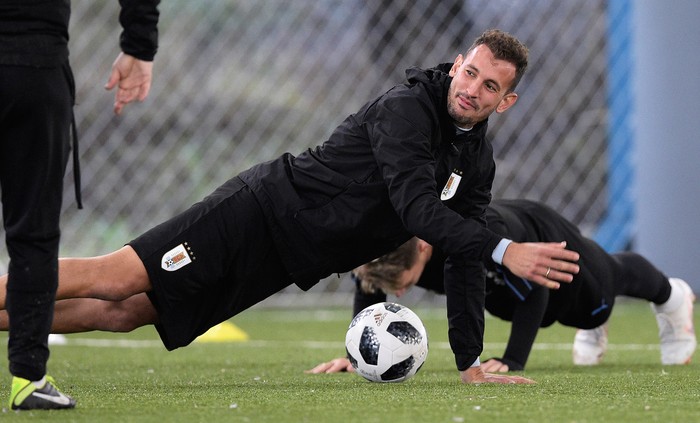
(35,32)
(380,178)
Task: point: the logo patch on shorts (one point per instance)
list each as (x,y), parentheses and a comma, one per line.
(177,258)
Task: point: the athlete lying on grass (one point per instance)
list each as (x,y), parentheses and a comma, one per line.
(586,303)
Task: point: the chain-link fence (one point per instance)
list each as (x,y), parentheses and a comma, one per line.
(241,81)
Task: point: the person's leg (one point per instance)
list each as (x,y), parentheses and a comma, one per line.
(624,273)
(638,278)
(112,277)
(36,115)
(672,301)
(88,314)
(34,145)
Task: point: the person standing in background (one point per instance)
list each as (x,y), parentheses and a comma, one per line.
(36,116)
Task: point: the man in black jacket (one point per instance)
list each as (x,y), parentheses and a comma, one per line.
(585,303)
(413,161)
(36,114)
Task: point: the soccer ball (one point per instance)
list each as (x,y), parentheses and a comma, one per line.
(386,342)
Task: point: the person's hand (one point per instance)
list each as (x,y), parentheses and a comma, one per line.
(545,263)
(336,365)
(475,375)
(494,365)
(133,77)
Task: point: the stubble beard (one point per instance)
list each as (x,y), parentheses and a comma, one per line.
(461,121)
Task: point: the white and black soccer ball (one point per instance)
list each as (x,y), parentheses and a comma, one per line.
(386,342)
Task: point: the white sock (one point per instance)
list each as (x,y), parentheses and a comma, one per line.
(40,383)
(674,300)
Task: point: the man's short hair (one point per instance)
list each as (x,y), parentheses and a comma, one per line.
(505,47)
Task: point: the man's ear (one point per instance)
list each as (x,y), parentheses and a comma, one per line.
(506,102)
(425,249)
(456,65)
(422,245)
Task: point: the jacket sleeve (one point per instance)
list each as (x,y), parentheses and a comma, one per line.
(139,20)
(527,318)
(465,309)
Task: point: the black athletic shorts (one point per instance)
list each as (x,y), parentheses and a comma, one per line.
(209,263)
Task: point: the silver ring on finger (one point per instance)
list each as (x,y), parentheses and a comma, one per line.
(546,275)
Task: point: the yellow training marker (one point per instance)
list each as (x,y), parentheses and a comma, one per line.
(223,332)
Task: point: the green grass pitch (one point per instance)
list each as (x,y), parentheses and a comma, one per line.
(132,378)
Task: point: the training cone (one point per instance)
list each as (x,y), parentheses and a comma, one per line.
(223,332)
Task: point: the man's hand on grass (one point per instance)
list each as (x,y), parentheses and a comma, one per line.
(336,365)
(476,375)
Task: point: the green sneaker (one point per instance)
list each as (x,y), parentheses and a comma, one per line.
(26,396)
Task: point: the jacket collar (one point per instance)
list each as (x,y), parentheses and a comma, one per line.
(437,80)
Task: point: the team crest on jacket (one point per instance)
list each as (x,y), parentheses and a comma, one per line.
(451,185)
(177,258)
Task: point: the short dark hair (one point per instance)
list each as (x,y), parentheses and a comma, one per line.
(505,47)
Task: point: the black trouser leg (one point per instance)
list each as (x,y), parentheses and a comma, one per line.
(35,118)
(641,279)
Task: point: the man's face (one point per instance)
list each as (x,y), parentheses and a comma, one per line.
(479,87)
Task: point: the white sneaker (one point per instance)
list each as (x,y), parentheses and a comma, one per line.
(590,345)
(676,331)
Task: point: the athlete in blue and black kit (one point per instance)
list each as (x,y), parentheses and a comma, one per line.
(585,303)
(413,161)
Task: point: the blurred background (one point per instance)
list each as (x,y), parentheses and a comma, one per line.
(237,82)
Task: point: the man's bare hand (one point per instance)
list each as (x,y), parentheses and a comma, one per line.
(336,365)
(545,263)
(475,375)
(132,77)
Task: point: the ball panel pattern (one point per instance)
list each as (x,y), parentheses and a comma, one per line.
(369,346)
(386,342)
